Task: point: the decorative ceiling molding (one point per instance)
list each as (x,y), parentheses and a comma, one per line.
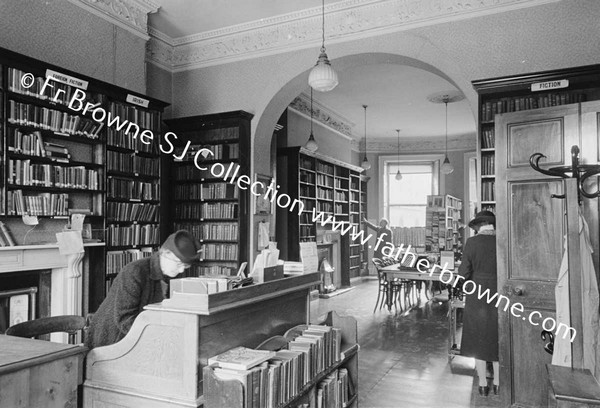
(131,15)
(346,20)
(462,142)
(322,114)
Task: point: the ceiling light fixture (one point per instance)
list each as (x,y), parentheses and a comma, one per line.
(311,144)
(323,77)
(365,163)
(446,98)
(398,174)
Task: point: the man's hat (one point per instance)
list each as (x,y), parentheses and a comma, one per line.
(183,244)
(483,216)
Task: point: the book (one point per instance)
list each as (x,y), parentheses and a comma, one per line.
(240,358)
(6,234)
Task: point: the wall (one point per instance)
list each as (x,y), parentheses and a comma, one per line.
(330,143)
(61,33)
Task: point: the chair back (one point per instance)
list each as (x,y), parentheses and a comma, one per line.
(56,324)
(377,262)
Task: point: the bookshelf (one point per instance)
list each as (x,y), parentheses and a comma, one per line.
(213,210)
(364,251)
(296,385)
(519,93)
(327,185)
(443,218)
(61,153)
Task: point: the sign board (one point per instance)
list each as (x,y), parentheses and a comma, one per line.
(136,100)
(66,79)
(309,256)
(546,86)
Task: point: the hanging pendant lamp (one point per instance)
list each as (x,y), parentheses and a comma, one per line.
(365,163)
(398,174)
(447,167)
(311,144)
(446,98)
(323,77)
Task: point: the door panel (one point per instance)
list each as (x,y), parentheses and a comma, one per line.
(529,240)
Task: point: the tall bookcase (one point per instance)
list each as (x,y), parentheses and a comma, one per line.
(364,251)
(213,210)
(329,186)
(518,93)
(57,159)
(443,217)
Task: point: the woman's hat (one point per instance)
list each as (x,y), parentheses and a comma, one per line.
(185,247)
(483,216)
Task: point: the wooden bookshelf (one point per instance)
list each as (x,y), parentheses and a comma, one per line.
(213,210)
(516,93)
(233,394)
(55,158)
(364,251)
(443,218)
(329,186)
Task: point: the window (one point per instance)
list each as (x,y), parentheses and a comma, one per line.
(406,199)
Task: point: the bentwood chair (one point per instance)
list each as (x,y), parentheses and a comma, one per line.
(56,324)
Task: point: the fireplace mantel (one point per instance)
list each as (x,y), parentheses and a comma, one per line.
(35,257)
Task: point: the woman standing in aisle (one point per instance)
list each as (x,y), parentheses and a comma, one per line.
(480,319)
(382,231)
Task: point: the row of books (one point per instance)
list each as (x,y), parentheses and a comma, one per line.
(227,231)
(307,231)
(32,144)
(191,172)
(43,204)
(308,205)
(488,140)
(116,260)
(341,183)
(488,192)
(324,207)
(210,270)
(488,165)
(219,152)
(354,196)
(120,138)
(142,118)
(324,168)
(128,163)
(59,93)
(341,196)
(307,177)
(215,135)
(132,189)
(206,210)
(336,390)
(324,181)
(324,194)
(198,285)
(513,104)
(6,238)
(306,191)
(226,252)
(25,114)
(132,212)
(136,234)
(340,210)
(25,173)
(206,191)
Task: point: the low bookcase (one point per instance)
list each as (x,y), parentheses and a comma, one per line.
(233,393)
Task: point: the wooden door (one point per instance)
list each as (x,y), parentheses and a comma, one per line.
(530,230)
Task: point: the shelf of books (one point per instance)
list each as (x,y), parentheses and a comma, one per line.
(203,202)
(54,160)
(443,218)
(364,251)
(311,365)
(326,187)
(518,93)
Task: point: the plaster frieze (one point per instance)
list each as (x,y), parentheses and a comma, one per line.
(438,144)
(132,15)
(322,114)
(345,20)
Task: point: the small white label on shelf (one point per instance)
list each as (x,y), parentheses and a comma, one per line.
(66,79)
(136,100)
(544,86)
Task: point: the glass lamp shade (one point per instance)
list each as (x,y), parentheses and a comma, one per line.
(398,176)
(311,144)
(322,77)
(447,167)
(365,163)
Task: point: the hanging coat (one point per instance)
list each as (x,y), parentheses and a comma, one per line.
(589,301)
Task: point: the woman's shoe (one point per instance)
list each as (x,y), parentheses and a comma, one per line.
(496,389)
(484,391)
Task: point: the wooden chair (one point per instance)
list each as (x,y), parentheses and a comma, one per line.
(56,324)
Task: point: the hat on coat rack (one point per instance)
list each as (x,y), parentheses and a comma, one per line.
(185,247)
(483,216)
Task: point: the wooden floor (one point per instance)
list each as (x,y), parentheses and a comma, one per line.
(403,358)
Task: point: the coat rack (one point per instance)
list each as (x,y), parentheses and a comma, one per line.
(575,177)
(581,172)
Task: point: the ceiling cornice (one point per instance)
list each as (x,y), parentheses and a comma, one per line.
(323,115)
(131,15)
(414,144)
(345,20)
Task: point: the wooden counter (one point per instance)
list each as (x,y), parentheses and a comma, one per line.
(36,373)
(159,363)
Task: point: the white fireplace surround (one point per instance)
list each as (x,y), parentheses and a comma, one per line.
(66,292)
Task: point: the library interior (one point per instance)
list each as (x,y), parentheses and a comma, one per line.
(300,204)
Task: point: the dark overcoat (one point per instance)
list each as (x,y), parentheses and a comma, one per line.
(137,285)
(480,319)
